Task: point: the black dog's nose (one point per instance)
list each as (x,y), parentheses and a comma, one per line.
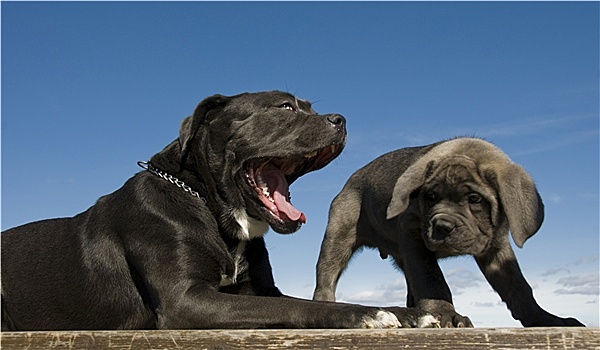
(336,120)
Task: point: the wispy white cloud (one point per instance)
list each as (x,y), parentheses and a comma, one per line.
(573,281)
(484,304)
(528,126)
(461,278)
(583,290)
(512,128)
(552,197)
(565,131)
(560,141)
(555,271)
(579,284)
(587,260)
(395,291)
(367,295)
(568,294)
(385,294)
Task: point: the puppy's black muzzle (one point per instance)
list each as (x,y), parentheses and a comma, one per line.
(441,229)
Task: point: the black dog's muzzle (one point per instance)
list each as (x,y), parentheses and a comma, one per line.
(337,121)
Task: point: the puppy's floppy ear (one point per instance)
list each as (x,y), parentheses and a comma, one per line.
(414,177)
(190,125)
(520,200)
(410,180)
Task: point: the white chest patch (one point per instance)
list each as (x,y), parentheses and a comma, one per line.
(249,227)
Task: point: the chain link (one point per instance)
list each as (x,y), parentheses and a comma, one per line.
(172,179)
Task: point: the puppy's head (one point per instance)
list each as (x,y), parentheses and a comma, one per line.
(468,193)
(250,148)
(457,208)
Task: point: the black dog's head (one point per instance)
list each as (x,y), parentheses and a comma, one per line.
(249,148)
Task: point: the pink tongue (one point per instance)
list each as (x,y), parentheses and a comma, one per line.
(278,187)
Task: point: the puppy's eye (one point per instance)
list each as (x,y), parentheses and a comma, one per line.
(287,106)
(431,196)
(474,198)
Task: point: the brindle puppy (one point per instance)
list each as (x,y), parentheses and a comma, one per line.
(422,204)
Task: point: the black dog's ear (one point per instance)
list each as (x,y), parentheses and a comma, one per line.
(413,178)
(520,200)
(190,125)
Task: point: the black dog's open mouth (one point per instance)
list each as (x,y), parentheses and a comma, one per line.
(271,177)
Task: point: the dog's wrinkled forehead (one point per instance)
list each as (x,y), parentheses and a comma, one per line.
(454,170)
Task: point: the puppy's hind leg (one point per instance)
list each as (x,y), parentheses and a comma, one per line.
(339,243)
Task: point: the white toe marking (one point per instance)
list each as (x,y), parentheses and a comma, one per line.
(383,319)
(428,321)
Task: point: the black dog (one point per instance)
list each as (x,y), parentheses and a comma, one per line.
(180,245)
(420,204)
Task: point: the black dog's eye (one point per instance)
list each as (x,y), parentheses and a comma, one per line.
(287,106)
(474,198)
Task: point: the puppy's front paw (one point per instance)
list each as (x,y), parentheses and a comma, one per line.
(382,319)
(453,320)
(546,319)
(572,322)
(445,314)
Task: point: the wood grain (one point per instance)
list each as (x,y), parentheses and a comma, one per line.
(439,339)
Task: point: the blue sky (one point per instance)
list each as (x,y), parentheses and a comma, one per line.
(90,88)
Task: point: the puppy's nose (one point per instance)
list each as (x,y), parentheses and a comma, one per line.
(442,228)
(336,120)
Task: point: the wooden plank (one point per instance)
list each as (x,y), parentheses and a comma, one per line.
(439,339)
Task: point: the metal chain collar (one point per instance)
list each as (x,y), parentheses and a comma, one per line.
(170,178)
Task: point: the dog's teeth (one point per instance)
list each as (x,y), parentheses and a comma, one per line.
(333,147)
(310,155)
(260,182)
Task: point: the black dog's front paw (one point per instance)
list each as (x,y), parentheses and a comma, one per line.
(445,314)
(411,317)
